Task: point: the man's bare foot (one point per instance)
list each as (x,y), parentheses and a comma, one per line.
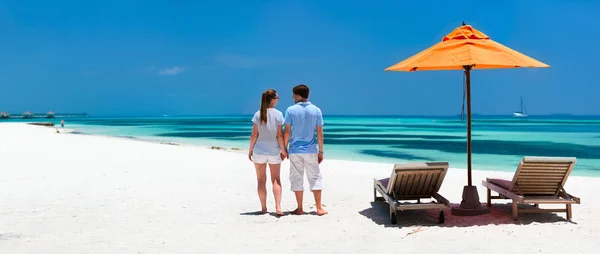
(264,211)
(297,212)
(321,212)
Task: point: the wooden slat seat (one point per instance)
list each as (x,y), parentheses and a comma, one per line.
(538,180)
(413,181)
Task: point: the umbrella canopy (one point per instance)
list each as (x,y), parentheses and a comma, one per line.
(467,49)
(466,46)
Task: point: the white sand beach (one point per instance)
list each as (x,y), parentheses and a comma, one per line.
(69,193)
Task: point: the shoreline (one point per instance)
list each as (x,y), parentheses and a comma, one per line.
(75,132)
(167,141)
(161,142)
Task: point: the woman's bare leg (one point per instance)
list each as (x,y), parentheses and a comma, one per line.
(276,181)
(261,177)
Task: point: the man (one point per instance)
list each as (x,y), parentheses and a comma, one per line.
(301,121)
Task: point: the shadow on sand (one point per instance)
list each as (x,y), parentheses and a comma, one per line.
(500,214)
(288,213)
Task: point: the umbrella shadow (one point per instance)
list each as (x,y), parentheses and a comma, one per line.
(500,214)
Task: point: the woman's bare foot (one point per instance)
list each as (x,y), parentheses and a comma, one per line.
(297,212)
(321,212)
(279,213)
(264,211)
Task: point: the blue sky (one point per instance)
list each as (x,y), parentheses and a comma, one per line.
(216,57)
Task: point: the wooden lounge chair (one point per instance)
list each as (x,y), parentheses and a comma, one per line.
(538,180)
(413,181)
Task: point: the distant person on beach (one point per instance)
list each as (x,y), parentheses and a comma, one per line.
(62,123)
(266,147)
(303,130)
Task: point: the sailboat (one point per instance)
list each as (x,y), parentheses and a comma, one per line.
(522,112)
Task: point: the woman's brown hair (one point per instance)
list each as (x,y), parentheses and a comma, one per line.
(267,97)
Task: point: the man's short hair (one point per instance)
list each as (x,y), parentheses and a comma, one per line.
(301,90)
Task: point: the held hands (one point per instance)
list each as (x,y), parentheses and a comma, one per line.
(283,153)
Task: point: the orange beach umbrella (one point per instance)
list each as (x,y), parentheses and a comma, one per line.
(466,46)
(467,49)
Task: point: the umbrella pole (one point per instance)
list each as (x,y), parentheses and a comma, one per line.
(470,205)
(468,79)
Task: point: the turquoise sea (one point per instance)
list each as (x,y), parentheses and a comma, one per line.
(498,142)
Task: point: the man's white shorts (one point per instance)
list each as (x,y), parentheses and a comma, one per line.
(262,159)
(299,163)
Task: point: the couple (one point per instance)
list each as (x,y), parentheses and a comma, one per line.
(268,145)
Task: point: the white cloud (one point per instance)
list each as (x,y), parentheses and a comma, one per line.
(171,71)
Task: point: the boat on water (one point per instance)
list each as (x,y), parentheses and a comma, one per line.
(523,110)
(4,115)
(50,114)
(27,114)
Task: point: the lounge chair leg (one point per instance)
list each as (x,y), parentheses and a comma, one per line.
(441,217)
(515,210)
(393,217)
(569,212)
(374,194)
(489,198)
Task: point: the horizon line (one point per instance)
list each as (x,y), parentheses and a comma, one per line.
(348,115)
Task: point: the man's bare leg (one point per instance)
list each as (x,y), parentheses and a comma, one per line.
(299,197)
(320,210)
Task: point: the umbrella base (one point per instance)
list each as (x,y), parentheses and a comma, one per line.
(470,205)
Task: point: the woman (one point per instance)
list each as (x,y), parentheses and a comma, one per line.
(266,147)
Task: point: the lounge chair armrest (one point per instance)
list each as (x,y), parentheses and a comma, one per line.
(440,199)
(568,196)
(504,192)
(577,199)
(376,182)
